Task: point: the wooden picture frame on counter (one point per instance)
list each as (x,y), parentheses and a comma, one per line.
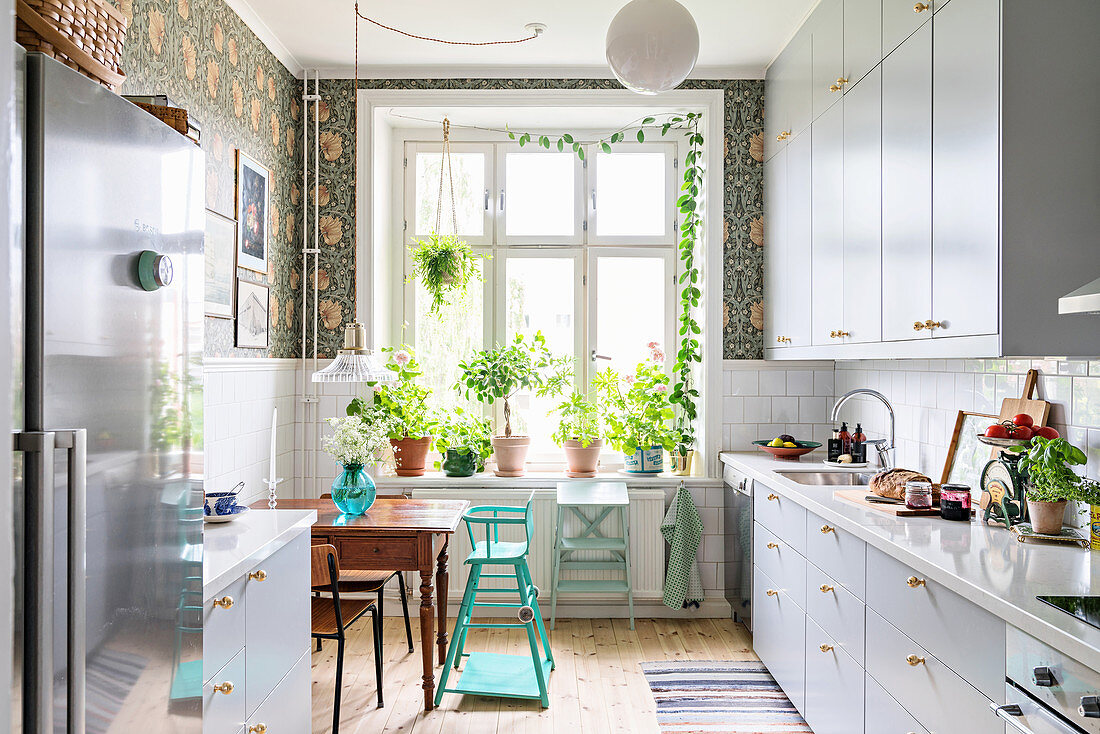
(966,456)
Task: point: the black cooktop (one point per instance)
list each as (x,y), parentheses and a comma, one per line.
(1085,608)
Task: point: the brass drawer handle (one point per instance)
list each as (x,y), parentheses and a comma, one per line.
(921,7)
(914,660)
(773,497)
(257,729)
(225,688)
(914,582)
(773,546)
(225,602)
(825,588)
(771,592)
(826,529)
(259,575)
(825,648)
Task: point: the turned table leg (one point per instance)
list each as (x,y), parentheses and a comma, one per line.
(442,580)
(427,619)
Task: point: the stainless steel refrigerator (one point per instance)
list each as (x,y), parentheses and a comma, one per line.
(108,415)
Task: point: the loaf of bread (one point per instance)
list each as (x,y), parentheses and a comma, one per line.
(891,483)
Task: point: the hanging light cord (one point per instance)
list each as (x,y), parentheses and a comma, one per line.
(535,34)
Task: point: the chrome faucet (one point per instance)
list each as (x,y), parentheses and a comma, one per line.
(885,452)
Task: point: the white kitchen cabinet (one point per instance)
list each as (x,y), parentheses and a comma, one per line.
(781,562)
(837,552)
(834,685)
(884,715)
(775,249)
(827,31)
(787,101)
(900,19)
(288,709)
(827,224)
(862,39)
(788,268)
(836,610)
(779,637)
(223,704)
(784,517)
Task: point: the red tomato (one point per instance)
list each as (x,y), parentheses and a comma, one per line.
(1047,432)
(1021,432)
(1023,419)
(996,431)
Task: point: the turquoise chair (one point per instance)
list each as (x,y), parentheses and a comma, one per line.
(490,674)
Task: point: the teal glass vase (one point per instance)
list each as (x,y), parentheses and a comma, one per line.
(353,491)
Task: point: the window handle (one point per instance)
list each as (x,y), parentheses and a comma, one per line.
(486,199)
(593,199)
(599,356)
(502,199)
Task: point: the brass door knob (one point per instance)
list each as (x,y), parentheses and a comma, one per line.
(921,7)
(225,602)
(773,497)
(825,588)
(225,688)
(914,660)
(834,88)
(930,324)
(914,582)
(826,529)
(842,80)
(257,729)
(773,546)
(771,592)
(259,575)
(825,648)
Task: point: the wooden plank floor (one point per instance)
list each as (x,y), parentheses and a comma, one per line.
(598,686)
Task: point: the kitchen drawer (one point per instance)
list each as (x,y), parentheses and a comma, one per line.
(781,562)
(222,629)
(927,688)
(288,709)
(779,637)
(376,553)
(836,610)
(884,715)
(838,553)
(223,712)
(960,633)
(834,685)
(278,615)
(784,517)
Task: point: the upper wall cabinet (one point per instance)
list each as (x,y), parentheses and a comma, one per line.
(926,212)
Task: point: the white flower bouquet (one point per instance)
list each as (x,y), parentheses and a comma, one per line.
(355,441)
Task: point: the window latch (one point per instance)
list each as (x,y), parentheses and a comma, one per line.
(486,199)
(599,356)
(502,199)
(593,199)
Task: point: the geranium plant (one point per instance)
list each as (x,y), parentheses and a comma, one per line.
(356,442)
(465,432)
(639,412)
(444,264)
(401,405)
(580,420)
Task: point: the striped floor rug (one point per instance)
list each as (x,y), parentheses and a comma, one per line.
(716,696)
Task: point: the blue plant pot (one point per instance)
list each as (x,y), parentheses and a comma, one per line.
(353,491)
(645,461)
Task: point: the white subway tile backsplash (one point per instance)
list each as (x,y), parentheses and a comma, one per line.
(785,409)
(773,382)
(823,383)
(743,382)
(800,382)
(758,410)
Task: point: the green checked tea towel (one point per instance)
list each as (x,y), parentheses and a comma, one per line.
(682,530)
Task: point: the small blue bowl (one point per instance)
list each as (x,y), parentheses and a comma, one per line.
(225,503)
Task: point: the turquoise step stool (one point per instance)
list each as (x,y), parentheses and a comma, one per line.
(491,674)
(592,502)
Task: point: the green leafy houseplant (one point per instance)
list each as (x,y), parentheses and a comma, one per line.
(466,435)
(580,420)
(445,264)
(639,416)
(1051,482)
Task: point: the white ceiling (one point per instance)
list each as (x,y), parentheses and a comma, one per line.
(738,38)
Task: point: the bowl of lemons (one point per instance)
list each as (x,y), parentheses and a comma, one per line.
(786,446)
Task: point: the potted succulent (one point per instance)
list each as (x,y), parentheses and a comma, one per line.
(500,373)
(580,434)
(400,405)
(640,415)
(463,440)
(1051,483)
(445,264)
(355,443)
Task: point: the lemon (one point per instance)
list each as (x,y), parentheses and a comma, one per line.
(776,443)
(790,445)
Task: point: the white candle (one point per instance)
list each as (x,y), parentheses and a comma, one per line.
(274,422)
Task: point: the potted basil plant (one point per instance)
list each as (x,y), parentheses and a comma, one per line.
(580,434)
(444,264)
(1051,482)
(639,416)
(463,440)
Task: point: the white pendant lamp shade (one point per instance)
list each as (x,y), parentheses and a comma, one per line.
(652,45)
(354,363)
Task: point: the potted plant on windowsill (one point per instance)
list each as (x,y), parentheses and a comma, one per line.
(580,434)
(639,419)
(1051,483)
(401,405)
(444,264)
(498,374)
(463,439)
(355,444)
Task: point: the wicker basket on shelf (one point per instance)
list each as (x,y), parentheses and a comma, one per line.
(85,35)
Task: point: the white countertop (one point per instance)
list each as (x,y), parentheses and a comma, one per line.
(983,563)
(231,548)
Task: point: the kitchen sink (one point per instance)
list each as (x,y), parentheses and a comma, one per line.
(829,478)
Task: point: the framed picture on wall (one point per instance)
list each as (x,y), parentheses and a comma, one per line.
(253,317)
(221,265)
(253,184)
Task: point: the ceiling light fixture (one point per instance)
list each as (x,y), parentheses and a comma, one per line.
(354,363)
(652,45)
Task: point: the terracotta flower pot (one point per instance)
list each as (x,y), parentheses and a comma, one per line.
(410,455)
(511,455)
(1046,517)
(582,460)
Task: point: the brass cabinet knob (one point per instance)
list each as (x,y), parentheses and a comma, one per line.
(225,602)
(225,688)
(914,660)
(914,582)
(782,339)
(826,529)
(825,648)
(783,135)
(834,88)
(930,324)
(257,729)
(840,333)
(825,588)
(921,7)
(259,575)
(773,546)
(771,592)
(773,497)
(918,325)
(842,80)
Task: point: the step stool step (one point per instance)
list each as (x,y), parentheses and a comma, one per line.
(593,585)
(492,674)
(593,544)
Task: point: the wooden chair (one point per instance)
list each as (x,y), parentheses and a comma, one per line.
(374,582)
(331,617)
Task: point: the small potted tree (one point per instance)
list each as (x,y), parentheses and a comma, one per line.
(444,264)
(402,405)
(580,434)
(1051,482)
(463,439)
(639,418)
(498,374)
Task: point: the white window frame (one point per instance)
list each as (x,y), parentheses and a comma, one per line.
(503,239)
(672,190)
(409,224)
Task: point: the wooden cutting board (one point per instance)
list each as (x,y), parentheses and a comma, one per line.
(859,497)
(1039,410)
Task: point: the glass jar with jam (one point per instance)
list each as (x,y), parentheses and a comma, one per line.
(918,495)
(955,502)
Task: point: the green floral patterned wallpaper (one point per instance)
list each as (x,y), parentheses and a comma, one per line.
(203,56)
(743,228)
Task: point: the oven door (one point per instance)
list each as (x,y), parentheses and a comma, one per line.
(1025,715)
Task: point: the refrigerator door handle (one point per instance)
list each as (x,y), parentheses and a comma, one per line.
(75,441)
(38,447)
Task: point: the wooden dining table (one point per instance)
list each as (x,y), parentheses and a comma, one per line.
(396,535)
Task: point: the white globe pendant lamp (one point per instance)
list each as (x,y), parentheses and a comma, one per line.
(652,45)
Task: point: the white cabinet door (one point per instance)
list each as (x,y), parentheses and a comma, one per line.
(827,28)
(796,92)
(965,171)
(862,38)
(884,715)
(799,269)
(775,249)
(834,686)
(862,278)
(781,515)
(900,18)
(223,698)
(907,187)
(776,111)
(827,228)
(779,637)
(782,563)
(288,710)
(836,610)
(223,628)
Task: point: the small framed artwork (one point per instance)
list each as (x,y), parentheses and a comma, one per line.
(253,184)
(253,318)
(221,265)
(966,456)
